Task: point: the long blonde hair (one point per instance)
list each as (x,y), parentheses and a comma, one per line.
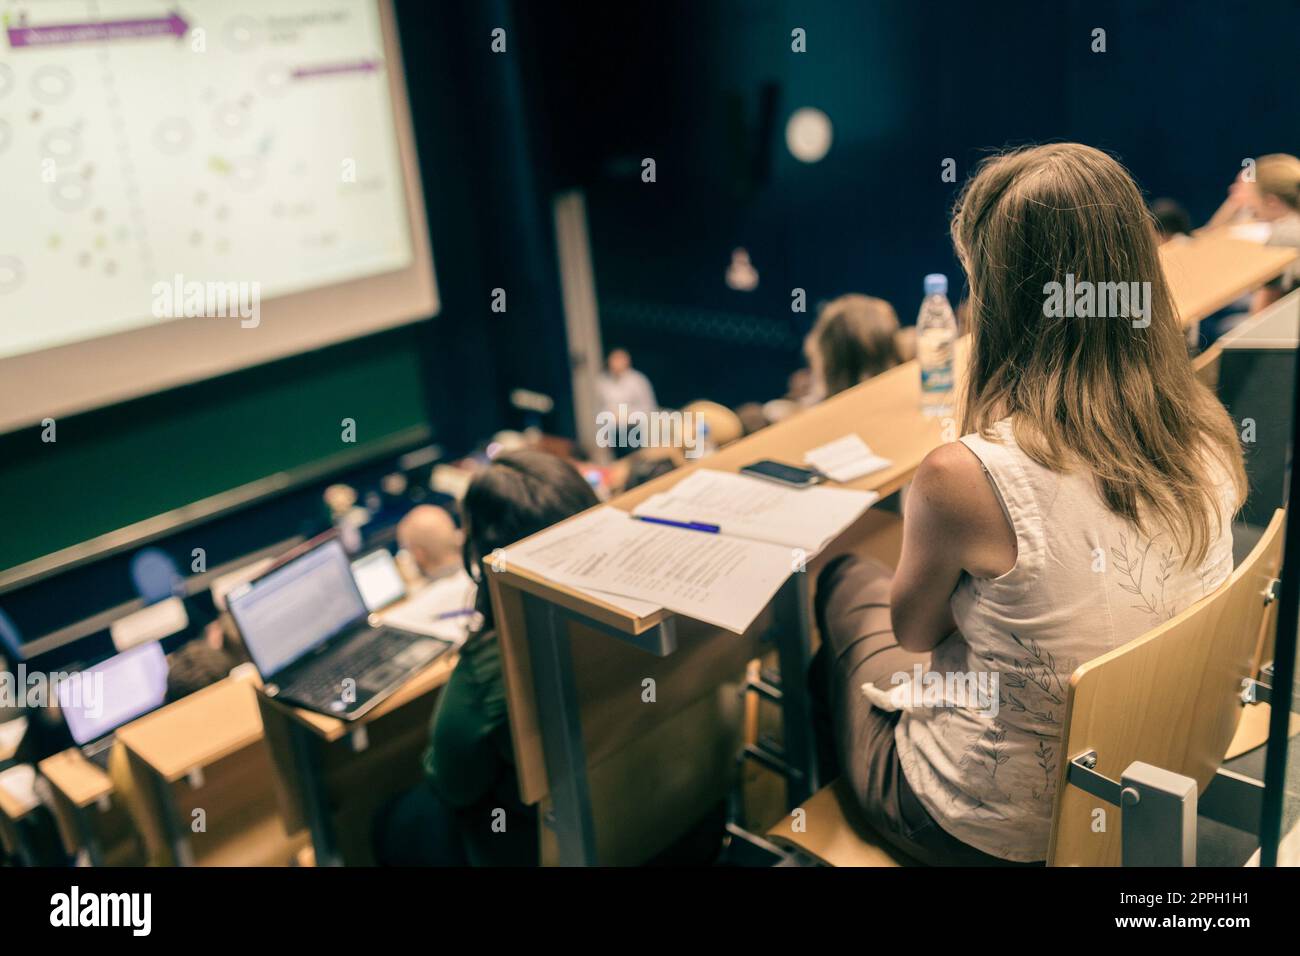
(1098,393)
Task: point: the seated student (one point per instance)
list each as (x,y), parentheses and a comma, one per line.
(1273,200)
(197,664)
(429,535)
(1272,197)
(852,340)
(469,773)
(1089,501)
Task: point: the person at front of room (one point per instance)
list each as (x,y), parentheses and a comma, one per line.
(455,816)
(623,386)
(1089,501)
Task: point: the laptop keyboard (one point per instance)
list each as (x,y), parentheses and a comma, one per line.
(326,681)
(373,663)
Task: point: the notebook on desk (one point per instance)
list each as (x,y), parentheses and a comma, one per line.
(717,550)
(744,507)
(443,609)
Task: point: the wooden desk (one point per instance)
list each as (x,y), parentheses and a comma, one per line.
(1207,273)
(13,810)
(210,742)
(82,792)
(548,738)
(317,773)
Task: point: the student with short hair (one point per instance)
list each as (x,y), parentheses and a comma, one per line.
(469,772)
(852,340)
(1089,500)
(429,535)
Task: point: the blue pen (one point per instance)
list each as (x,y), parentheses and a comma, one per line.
(688,525)
(448,615)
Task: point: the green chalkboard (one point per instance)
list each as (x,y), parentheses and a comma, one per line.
(115,466)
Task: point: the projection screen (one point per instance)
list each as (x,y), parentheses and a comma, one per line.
(189,191)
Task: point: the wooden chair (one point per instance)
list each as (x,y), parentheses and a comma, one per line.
(1164,705)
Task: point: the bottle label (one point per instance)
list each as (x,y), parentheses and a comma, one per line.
(934,349)
(936,379)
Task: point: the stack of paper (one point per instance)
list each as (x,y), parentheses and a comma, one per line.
(758,534)
(443,609)
(642,567)
(846,459)
(745,507)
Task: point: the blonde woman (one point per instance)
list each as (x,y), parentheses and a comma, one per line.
(1089,500)
(1273,195)
(1271,203)
(852,340)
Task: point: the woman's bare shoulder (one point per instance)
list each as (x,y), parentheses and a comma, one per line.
(958,497)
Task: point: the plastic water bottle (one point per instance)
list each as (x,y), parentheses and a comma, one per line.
(936,332)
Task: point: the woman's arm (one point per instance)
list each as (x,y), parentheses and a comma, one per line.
(1234,205)
(954,523)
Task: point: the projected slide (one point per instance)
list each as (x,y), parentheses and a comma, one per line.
(210,141)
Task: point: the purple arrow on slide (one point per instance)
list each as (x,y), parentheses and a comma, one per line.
(61,33)
(332,69)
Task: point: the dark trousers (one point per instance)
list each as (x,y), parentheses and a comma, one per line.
(856,739)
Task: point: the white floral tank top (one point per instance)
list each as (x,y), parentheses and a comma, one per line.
(1085,582)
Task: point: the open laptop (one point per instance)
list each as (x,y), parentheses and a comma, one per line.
(379,579)
(307,629)
(98,700)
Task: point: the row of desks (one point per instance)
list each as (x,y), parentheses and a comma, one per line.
(174,745)
(1204,274)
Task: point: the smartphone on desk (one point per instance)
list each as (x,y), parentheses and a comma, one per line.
(787,475)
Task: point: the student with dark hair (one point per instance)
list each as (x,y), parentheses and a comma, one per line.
(1171,219)
(469,773)
(196,665)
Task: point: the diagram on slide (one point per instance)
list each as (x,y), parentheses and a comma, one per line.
(218,140)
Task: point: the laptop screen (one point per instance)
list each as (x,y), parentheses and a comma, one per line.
(297,607)
(99,699)
(379,579)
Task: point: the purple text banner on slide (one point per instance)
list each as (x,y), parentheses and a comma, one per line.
(63,33)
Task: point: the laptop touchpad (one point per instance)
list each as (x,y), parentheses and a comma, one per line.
(417,653)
